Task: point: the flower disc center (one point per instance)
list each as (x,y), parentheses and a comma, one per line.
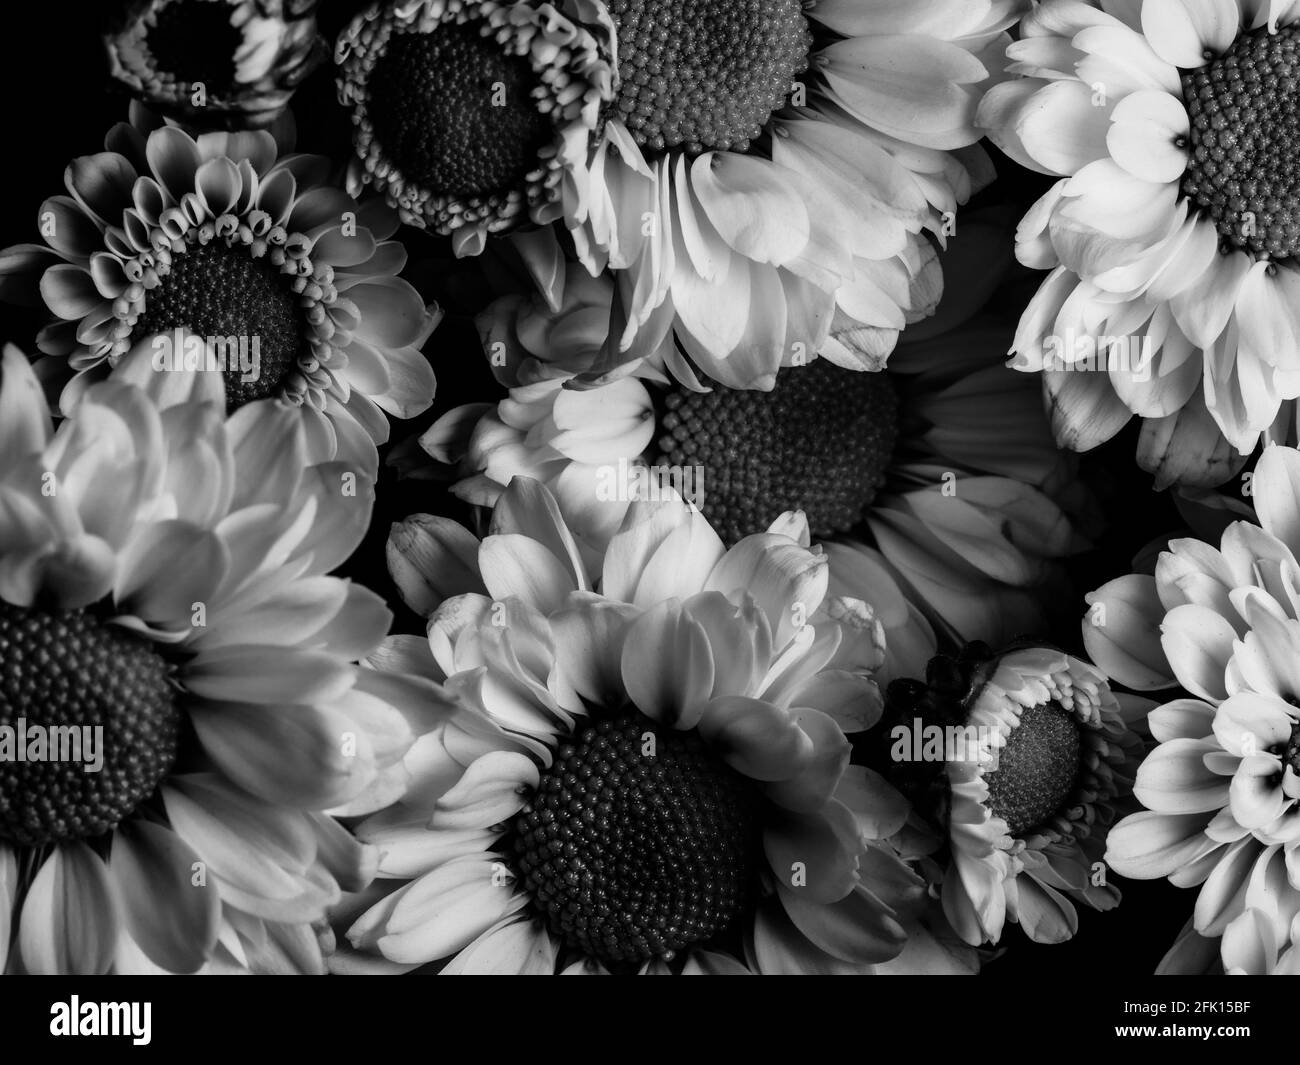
(455,112)
(75,689)
(194,40)
(639,841)
(706,74)
(222,293)
(821,441)
(1037,768)
(1244,149)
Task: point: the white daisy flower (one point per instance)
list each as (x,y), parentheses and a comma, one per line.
(237,239)
(772,176)
(1173,231)
(166,623)
(591,809)
(1222,789)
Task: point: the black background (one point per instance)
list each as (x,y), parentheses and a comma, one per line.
(58,103)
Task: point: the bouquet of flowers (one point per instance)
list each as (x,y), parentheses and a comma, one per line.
(648,487)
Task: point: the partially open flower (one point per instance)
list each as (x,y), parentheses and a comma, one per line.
(1021,758)
(208,63)
(234,238)
(467,113)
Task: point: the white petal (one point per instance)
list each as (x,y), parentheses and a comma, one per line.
(1198,643)
(515,565)
(1276,492)
(24,413)
(1062,128)
(513,948)
(753,204)
(1119,61)
(1121,632)
(1268,316)
(70,919)
(1257,797)
(491,791)
(1182,31)
(1144,134)
(1203,310)
(1174,780)
(1248,723)
(677,696)
(1150,845)
(913,88)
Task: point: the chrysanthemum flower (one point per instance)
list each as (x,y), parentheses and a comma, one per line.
(937,476)
(468,113)
(771,174)
(215,62)
(649,768)
(165,622)
(1033,756)
(231,237)
(1173,233)
(1221,789)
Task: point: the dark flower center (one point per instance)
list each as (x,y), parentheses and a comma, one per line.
(821,441)
(639,841)
(455,113)
(220,292)
(1291,753)
(1244,160)
(1036,769)
(75,689)
(704,74)
(194,40)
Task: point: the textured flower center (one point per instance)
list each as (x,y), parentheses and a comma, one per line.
(194,40)
(638,842)
(73,690)
(221,292)
(821,441)
(1244,149)
(455,112)
(706,74)
(1036,769)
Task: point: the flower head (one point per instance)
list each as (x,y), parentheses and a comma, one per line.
(771,176)
(649,768)
(1021,758)
(165,622)
(1222,789)
(1172,234)
(468,112)
(232,238)
(215,62)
